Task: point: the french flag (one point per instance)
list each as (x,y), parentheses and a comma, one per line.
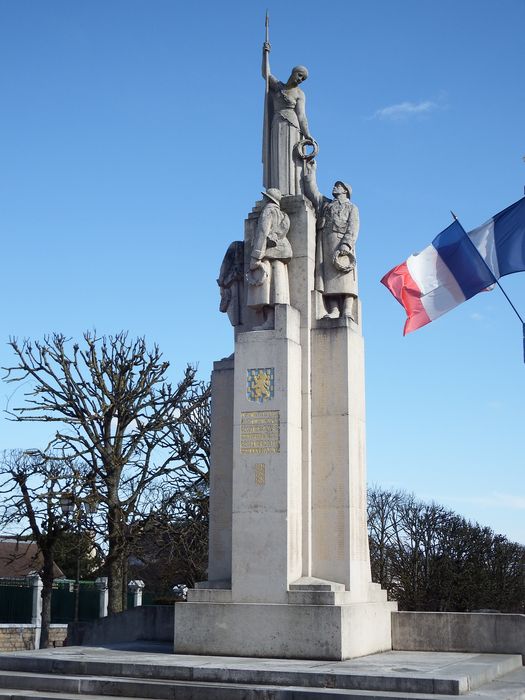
(457,265)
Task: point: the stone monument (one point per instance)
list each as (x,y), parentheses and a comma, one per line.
(289,567)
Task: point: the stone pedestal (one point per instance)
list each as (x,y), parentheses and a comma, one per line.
(289,569)
(330,632)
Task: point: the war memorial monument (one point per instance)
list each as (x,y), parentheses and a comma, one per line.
(289,608)
(289,567)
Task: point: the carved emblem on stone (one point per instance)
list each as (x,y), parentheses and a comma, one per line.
(260,384)
(260,474)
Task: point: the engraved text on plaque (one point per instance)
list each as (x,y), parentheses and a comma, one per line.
(259,432)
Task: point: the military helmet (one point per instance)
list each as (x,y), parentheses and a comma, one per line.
(274,194)
(347,187)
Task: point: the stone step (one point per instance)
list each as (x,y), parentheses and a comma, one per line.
(324,597)
(510,687)
(106,672)
(296,596)
(310,583)
(209,595)
(307,597)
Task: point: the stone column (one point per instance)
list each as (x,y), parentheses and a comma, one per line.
(302,297)
(36,611)
(102,586)
(220,537)
(136,587)
(266,520)
(339,516)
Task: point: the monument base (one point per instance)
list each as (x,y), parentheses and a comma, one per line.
(328,632)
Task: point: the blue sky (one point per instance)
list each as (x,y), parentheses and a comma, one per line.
(130,156)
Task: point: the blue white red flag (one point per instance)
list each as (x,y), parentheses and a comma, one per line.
(457,265)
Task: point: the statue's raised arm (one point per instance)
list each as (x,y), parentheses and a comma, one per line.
(311,190)
(265,70)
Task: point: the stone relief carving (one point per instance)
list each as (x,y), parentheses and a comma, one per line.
(270,253)
(260,384)
(337,230)
(231,282)
(285,126)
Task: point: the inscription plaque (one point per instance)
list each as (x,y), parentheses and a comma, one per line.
(260,432)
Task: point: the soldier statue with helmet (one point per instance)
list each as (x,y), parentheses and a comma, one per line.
(270,254)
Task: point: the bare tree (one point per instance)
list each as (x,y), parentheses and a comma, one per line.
(173,548)
(33,487)
(430,558)
(117,413)
(178,551)
(382,506)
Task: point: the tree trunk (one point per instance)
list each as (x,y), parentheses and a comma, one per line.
(114,585)
(47,590)
(114,558)
(125,580)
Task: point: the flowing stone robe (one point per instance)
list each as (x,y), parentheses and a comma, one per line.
(282,167)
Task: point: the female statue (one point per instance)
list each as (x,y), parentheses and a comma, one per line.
(285,126)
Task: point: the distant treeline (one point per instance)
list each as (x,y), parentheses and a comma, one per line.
(430,558)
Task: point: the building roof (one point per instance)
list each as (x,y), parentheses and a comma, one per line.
(20,558)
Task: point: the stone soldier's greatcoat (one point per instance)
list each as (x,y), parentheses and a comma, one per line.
(337,224)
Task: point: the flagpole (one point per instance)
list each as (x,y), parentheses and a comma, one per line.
(497,282)
(266,116)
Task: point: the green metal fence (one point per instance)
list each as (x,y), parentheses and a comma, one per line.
(149,598)
(63,601)
(16,600)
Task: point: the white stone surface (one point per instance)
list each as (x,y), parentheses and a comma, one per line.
(339,531)
(301,272)
(266,520)
(284,631)
(220,528)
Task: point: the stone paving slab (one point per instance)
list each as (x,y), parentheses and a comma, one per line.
(429,673)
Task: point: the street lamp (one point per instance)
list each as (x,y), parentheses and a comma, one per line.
(67,502)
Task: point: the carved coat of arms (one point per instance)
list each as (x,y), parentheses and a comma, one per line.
(260,384)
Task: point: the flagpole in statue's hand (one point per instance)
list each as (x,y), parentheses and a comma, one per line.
(266,119)
(266,53)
